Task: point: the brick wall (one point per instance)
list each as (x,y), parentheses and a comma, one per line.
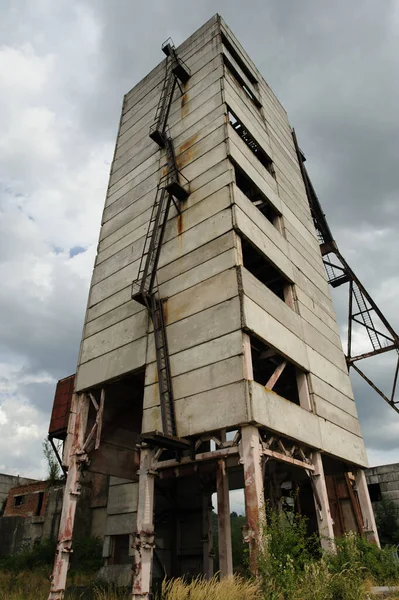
(27,500)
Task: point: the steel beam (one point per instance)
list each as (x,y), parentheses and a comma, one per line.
(80,410)
(251,457)
(144,537)
(324,519)
(224,526)
(370,527)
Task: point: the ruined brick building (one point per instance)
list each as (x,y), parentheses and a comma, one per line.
(210,357)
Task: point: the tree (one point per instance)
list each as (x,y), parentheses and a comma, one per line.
(53,467)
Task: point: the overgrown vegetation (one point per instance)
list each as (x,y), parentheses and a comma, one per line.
(86,557)
(53,467)
(291,567)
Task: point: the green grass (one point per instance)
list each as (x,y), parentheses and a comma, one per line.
(291,567)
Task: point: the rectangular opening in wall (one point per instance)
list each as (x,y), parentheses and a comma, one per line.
(19,500)
(258,199)
(229,46)
(39,503)
(375,492)
(241,82)
(274,371)
(250,141)
(261,268)
(120,555)
(117,451)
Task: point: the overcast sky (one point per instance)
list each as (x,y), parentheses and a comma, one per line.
(64,67)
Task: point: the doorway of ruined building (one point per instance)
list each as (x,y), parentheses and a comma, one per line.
(343,497)
(288,491)
(112,438)
(183,521)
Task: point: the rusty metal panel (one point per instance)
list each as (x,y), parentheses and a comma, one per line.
(61,407)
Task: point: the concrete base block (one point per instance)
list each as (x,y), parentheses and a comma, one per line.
(119,575)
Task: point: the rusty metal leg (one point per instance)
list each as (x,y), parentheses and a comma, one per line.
(370,527)
(224,527)
(144,539)
(71,496)
(207,535)
(250,450)
(324,519)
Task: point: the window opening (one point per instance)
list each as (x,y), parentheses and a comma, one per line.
(241,82)
(19,500)
(229,46)
(274,371)
(39,503)
(262,269)
(375,492)
(258,199)
(121,550)
(255,148)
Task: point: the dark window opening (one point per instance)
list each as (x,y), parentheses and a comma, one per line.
(255,148)
(269,370)
(241,82)
(375,492)
(229,46)
(121,550)
(251,191)
(263,270)
(39,503)
(19,500)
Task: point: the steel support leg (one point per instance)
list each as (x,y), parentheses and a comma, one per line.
(144,539)
(224,526)
(207,535)
(324,519)
(370,527)
(71,496)
(253,489)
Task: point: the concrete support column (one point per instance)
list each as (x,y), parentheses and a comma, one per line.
(224,526)
(79,414)
(370,527)
(251,457)
(207,545)
(144,538)
(322,505)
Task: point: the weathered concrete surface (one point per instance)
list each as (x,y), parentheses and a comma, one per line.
(213,302)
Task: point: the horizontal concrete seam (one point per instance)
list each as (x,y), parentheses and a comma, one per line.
(151,110)
(86,362)
(218,387)
(154,104)
(148,146)
(144,235)
(195,50)
(197,368)
(167,264)
(168,297)
(162,166)
(166,240)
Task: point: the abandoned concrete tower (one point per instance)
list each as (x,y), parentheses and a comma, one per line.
(210,359)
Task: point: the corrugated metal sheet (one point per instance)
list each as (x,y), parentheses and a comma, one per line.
(61,407)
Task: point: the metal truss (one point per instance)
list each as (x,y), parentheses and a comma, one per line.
(363,311)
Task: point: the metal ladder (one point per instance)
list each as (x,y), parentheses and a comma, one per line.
(145,288)
(364,313)
(142,286)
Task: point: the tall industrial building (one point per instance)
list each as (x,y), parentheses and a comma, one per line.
(210,357)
